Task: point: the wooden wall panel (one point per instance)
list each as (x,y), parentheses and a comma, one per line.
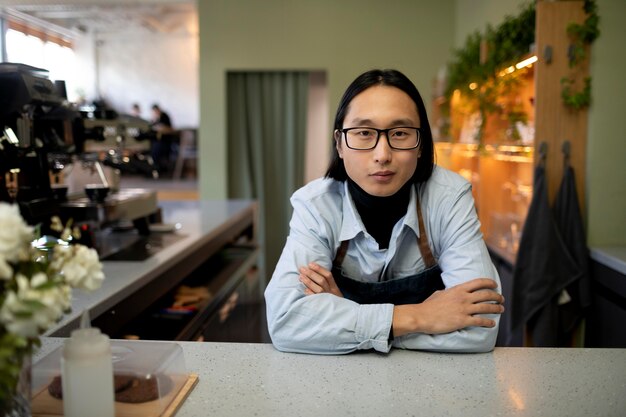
(555,123)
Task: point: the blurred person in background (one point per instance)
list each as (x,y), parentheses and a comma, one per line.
(164,136)
(135,110)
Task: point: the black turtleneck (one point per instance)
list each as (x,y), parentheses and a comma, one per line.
(380,214)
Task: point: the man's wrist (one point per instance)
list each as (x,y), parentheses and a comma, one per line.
(406,319)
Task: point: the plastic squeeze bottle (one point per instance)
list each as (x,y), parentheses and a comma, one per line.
(87,374)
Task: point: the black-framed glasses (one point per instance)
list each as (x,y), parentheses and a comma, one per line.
(364,138)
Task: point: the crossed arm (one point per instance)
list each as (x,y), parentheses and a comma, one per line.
(444,311)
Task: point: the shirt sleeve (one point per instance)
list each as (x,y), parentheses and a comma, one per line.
(321,323)
(462,255)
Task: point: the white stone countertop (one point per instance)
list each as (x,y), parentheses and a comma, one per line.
(257,380)
(199,221)
(612,256)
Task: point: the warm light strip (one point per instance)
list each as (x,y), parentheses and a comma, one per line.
(513,158)
(526,62)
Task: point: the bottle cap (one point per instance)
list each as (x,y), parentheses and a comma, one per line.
(86,342)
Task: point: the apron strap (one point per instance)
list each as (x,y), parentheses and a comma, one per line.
(422,243)
(422,240)
(341,253)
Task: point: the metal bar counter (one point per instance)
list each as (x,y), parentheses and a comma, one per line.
(257,380)
(204,226)
(613,257)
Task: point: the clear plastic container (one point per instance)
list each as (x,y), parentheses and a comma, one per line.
(147,377)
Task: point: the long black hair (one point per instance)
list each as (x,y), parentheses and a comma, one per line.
(392,78)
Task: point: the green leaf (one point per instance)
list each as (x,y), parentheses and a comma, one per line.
(34,304)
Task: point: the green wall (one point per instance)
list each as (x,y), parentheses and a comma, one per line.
(606,140)
(347,37)
(474,15)
(343,38)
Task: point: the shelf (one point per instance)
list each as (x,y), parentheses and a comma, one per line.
(219,275)
(466,150)
(501,176)
(216,261)
(500,152)
(510,153)
(241,260)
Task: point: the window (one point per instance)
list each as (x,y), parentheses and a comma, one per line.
(26,45)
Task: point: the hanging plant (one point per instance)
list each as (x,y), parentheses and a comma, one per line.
(576,100)
(477,81)
(506,44)
(465,68)
(581,35)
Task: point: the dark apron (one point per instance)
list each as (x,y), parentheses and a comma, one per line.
(544,267)
(408,290)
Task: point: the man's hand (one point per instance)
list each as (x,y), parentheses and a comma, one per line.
(450,309)
(318,280)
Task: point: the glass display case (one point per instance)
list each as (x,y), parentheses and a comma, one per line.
(496,158)
(501,178)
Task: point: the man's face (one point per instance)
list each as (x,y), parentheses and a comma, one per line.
(381,171)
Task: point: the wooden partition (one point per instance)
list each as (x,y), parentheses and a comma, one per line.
(556,123)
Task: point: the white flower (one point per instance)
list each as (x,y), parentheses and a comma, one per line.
(55,224)
(6,272)
(30,305)
(15,234)
(79,266)
(32,309)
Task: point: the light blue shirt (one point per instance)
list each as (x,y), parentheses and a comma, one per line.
(323,216)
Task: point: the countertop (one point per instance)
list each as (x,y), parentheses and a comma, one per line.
(257,380)
(199,222)
(612,256)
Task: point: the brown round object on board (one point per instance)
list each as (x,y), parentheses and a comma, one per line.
(56,388)
(144,389)
(120,382)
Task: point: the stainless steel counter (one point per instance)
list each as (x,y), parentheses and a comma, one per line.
(201,222)
(606,316)
(257,380)
(613,257)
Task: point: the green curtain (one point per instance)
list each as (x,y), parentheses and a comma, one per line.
(267,114)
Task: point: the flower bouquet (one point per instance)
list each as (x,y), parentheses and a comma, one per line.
(36,278)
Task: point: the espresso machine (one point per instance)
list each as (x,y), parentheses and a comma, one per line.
(124,138)
(29,109)
(46,169)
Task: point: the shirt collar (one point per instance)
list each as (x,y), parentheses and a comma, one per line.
(351,224)
(410,220)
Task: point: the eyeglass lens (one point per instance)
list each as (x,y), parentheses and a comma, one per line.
(367,138)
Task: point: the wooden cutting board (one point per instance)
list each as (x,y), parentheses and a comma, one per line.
(44,405)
